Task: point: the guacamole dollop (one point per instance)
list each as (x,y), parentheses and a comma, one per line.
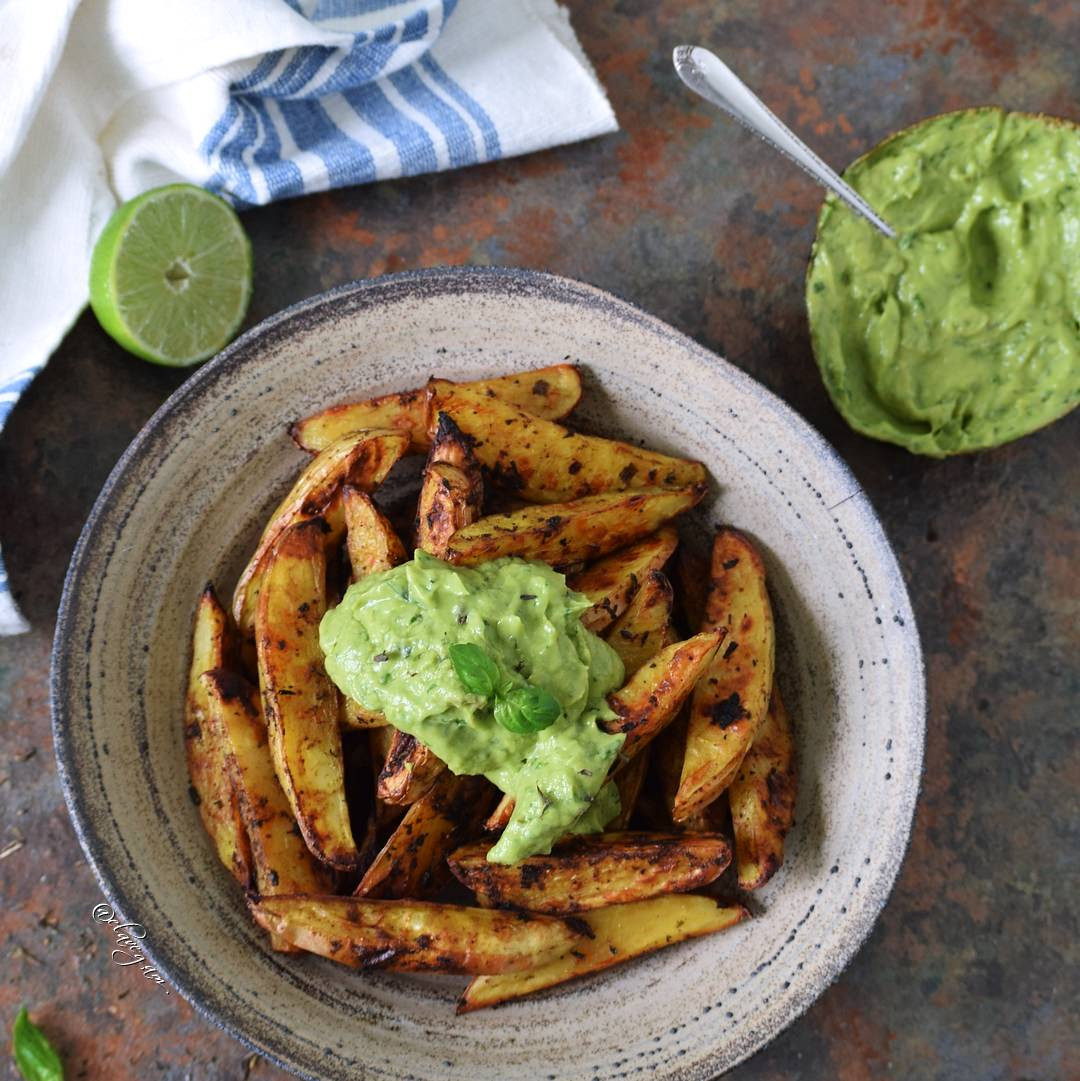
(964,332)
(387,647)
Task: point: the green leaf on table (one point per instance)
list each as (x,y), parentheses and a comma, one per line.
(34,1055)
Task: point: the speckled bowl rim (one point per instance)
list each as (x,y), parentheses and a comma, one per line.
(478,280)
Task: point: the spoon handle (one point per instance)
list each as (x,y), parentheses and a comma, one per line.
(706,74)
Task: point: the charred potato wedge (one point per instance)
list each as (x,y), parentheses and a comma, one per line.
(451,490)
(595,871)
(362,459)
(564,533)
(409,771)
(652,698)
(415,936)
(762,798)
(300,702)
(611,582)
(546,392)
(370,540)
(645,627)
(211,790)
(281,861)
(542,462)
(412,863)
(731,700)
(448,502)
(355,716)
(615,935)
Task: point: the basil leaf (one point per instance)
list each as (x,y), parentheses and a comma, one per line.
(528,709)
(510,717)
(34,1055)
(476,670)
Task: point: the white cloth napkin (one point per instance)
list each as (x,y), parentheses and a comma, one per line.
(256,100)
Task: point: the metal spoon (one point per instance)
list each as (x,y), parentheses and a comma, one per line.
(706,74)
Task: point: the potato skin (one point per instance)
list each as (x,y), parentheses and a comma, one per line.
(543,462)
(281,861)
(645,627)
(415,936)
(545,392)
(652,698)
(762,798)
(299,700)
(211,791)
(611,583)
(370,540)
(362,459)
(614,935)
(412,863)
(731,700)
(595,871)
(566,533)
(409,771)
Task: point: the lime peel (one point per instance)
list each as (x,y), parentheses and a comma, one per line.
(170,275)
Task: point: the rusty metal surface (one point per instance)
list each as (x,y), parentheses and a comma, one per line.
(971,972)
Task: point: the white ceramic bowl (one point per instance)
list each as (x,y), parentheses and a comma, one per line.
(185,504)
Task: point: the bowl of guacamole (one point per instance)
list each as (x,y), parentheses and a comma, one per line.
(963,332)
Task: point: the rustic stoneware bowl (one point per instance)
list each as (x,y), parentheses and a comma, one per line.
(185,504)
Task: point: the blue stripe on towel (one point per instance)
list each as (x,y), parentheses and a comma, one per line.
(347,161)
(459,139)
(413,144)
(492,149)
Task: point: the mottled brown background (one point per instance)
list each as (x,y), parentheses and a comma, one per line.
(972,970)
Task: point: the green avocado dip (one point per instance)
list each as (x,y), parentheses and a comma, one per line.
(387,646)
(964,332)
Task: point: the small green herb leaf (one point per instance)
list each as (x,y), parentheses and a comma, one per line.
(34,1055)
(527,709)
(476,670)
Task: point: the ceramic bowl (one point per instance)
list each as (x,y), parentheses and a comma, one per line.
(185,504)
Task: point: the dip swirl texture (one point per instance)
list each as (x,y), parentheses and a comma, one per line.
(386,646)
(963,333)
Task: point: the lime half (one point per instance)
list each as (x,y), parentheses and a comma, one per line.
(170,277)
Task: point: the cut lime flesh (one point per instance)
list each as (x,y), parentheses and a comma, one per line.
(170,277)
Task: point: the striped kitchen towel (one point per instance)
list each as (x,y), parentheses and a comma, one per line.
(257,100)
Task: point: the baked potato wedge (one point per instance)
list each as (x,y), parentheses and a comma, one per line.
(211,790)
(412,863)
(731,700)
(300,702)
(611,582)
(353,715)
(409,771)
(762,798)
(281,860)
(545,392)
(645,627)
(362,459)
(448,502)
(451,490)
(563,533)
(655,693)
(594,871)
(542,462)
(616,934)
(415,936)
(370,540)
